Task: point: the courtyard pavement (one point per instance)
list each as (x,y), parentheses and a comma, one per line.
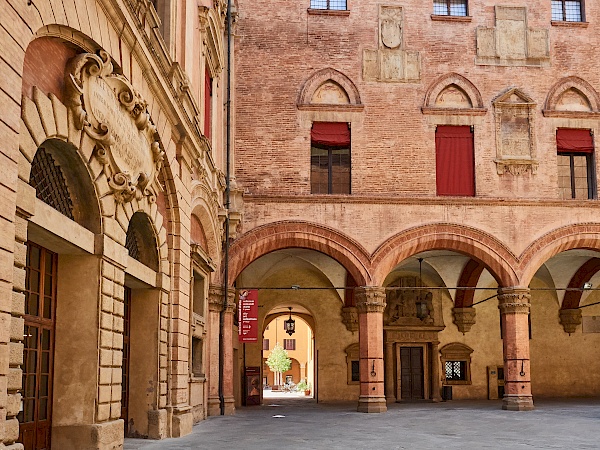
(289,421)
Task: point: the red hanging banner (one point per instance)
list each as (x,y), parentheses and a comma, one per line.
(248,316)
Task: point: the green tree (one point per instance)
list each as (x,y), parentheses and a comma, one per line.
(279,362)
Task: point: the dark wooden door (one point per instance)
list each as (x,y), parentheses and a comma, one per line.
(35,419)
(126,357)
(411,367)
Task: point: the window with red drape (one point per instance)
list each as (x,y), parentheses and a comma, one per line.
(455,161)
(575,149)
(330,158)
(207,103)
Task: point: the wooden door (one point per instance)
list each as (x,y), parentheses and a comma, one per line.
(35,419)
(411,370)
(126,357)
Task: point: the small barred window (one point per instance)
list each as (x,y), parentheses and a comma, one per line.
(450,8)
(336,5)
(49,183)
(567,11)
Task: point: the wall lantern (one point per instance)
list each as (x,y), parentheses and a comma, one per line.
(290,324)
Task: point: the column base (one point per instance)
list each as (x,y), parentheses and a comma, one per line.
(99,436)
(517,403)
(229,406)
(182,423)
(214,406)
(372,404)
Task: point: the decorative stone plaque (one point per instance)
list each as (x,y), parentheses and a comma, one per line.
(107,107)
(515,133)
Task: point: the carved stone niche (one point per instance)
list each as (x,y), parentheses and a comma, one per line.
(111,112)
(514,115)
(409,305)
(570,319)
(350,318)
(464,318)
(390,62)
(511,42)
(453,94)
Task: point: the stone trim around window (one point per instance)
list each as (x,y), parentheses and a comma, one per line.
(456,352)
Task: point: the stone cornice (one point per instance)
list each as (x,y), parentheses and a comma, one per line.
(420,201)
(151,55)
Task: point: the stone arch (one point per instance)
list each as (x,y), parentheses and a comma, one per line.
(280,235)
(141,241)
(462,85)
(324,76)
(582,236)
(579,87)
(204,208)
(477,244)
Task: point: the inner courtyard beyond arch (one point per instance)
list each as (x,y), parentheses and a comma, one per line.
(402,198)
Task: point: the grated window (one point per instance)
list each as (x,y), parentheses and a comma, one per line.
(337,5)
(49,183)
(567,11)
(131,244)
(450,7)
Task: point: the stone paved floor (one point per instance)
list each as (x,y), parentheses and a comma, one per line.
(555,424)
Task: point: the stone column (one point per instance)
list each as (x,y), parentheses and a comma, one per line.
(390,397)
(514,306)
(215,306)
(435,372)
(370,302)
(228,337)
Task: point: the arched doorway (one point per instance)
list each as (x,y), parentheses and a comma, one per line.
(314,286)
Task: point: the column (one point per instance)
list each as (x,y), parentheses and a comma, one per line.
(215,306)
(514,306)
(370,302)
(435,372)
(390,397)
(228,375)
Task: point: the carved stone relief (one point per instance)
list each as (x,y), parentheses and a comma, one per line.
(515,133)
(330,93)
(574,98)
(410,305)
(511,42)
(390,62)
(107,107)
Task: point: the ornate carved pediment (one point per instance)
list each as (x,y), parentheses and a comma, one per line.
(515,133)
(107,107)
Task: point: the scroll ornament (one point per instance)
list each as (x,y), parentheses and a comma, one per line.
(105,105)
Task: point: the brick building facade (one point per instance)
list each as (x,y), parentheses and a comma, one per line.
(417,180)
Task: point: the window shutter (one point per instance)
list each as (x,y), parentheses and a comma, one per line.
(572,140)
(455,161)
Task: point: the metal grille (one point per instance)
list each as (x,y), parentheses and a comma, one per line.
(339,5)
(49,183)
(455,370)
(450,7)
(567,11)
(131,244)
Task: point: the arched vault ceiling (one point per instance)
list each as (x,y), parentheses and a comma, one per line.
(261,272)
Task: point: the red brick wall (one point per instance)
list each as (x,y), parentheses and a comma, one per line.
(393,153)
(44,67)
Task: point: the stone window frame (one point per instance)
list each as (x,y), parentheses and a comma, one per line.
(456,351)
(352,355)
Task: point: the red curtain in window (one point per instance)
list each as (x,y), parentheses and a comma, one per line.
(574,140)
(455,163)
(207,102)
(331,134)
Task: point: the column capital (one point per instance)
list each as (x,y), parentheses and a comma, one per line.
(370,299)
(215,298)
(514,300)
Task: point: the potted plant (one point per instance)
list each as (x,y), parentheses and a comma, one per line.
(303,386)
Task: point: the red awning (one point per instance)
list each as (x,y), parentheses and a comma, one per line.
(574,140)
(332,134)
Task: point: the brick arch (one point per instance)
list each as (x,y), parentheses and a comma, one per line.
(583,275)
(480,246)
(576,236)
(580,85)
(320,77)
(280,235)
(468,278)
(447,80)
